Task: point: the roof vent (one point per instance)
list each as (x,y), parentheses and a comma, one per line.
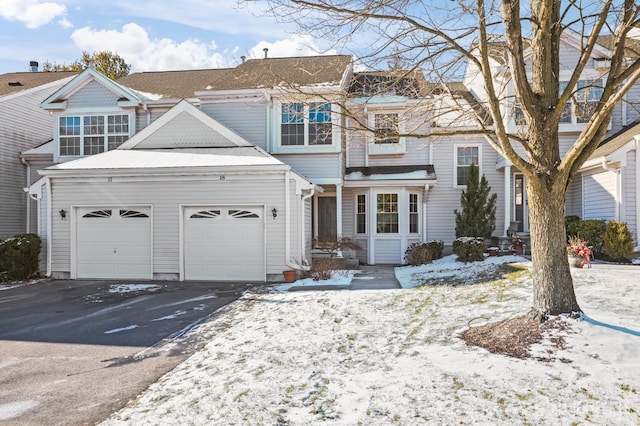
(14,83)
(266,52)
(242,58)
(33,66)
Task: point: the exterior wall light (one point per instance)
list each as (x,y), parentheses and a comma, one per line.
(274,212)
(63,214)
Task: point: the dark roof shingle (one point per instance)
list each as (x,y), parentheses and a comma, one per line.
(17,81)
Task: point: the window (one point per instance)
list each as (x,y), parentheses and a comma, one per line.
(587,98)
(386,128)
(361,214)
(302,124)
(465,157)
(413,214)
(387,213)
(88,135)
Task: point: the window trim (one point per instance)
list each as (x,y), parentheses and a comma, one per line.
(278,147)
(394,148)
(83,137)
(456,165)
(364,214)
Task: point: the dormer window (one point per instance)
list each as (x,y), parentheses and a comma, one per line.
(91,134)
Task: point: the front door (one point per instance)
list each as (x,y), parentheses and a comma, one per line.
(520,208)
(327,224)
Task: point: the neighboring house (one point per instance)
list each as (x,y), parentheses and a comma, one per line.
(23,125)
(159,172)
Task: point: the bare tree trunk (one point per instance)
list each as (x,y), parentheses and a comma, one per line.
(553,292)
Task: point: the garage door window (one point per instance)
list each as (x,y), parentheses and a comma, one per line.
(98,214)
(242,214)
(132,213)
(205,214)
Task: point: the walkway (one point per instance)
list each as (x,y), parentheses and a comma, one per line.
(374,277)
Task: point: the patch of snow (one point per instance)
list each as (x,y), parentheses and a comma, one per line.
(395,357)
(131,288)
(338,278)
(118,330)
(14,409)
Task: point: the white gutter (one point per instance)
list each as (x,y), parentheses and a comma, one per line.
(302,228)
(49,226)
(287,224)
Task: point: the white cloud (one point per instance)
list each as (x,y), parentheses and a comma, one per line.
(293,46)
(145,54)
(32,13)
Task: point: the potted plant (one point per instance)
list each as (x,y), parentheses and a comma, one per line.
(516,243)
(578,252)
(289,275)
(493,251)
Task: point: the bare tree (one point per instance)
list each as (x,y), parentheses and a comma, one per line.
(450,37)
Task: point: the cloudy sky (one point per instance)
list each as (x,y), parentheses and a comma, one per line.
(150,35)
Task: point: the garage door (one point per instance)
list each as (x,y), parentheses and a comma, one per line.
(113,243)
(224,243)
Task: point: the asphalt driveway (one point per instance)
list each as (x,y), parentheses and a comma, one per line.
(72,352)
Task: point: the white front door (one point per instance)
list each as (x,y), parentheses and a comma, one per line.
(223,243)
(113,242)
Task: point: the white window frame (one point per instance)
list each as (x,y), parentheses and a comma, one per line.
(336,137)
(105,135)
(417,213)
(456,165)
(365,214)
(398,212)
(374,148)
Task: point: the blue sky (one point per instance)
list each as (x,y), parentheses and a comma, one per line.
(150,35)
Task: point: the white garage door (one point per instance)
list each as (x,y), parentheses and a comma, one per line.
(113,243)
(224,243)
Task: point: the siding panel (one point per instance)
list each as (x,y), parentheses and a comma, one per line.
(599,195)
(247,118)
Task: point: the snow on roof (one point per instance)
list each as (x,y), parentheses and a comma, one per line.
(171,158)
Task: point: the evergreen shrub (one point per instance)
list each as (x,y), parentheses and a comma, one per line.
(468,249)
(19,257)
(618,241)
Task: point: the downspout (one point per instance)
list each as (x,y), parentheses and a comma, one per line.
(49,226)
(28,166)
(144,106)
(618,193)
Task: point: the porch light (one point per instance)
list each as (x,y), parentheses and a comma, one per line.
(63,214)
(274,212)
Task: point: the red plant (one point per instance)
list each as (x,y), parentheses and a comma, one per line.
(578,247)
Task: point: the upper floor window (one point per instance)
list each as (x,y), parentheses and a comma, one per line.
(465,156)
(386,128)
(306,124)
(91,134)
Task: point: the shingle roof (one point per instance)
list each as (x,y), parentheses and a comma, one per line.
(632,45)
(17,81)
(410,83)
(617,140)
(253,73)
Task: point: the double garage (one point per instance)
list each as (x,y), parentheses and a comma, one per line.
(221,242)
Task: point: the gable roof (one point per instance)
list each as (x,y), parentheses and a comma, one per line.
(631,45)
(323,70)
(185,126)
(18,81)
(58,99)
(616,141)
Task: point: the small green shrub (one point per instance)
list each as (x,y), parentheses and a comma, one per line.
(436,247)
(468,249)
(19,257)
(618,241)
(592,230)
(572,225)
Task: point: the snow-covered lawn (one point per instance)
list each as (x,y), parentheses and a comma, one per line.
(394,357)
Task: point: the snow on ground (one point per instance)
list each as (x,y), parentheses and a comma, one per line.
(394,357)
(132,288)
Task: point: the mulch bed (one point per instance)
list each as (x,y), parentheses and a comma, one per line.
(514,336)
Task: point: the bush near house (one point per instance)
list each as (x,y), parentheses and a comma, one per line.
(478,215)
(469,249)
(591,230)
(19,257)
(423,253)
(618,241)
